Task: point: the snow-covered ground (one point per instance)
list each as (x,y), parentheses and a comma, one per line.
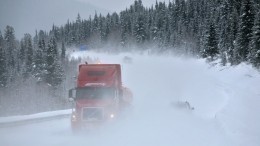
(226,102)
(39,116)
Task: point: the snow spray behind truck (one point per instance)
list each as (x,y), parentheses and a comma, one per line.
(99,96)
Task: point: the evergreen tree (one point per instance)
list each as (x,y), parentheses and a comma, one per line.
(244,32)
(102,28)
(10,46)
(55,32)
(40,61)
(211,48)
(21,57)
(139,30)
(123,22)
(115,22)
(234,18)
(254,56)
(54,72)
(41,36)
(3,68)
(95,23)
(106,32)
(225,32)
(79,31)
(63,51)
(22,51)
(29,55)
(35,39)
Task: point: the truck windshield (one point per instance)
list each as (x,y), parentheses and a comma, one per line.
(95,93)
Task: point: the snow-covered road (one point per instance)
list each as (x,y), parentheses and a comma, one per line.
(226,105)
(152,130)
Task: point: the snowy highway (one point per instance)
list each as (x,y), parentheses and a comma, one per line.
(225,100)
(139,131)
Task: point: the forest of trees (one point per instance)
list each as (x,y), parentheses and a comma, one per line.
(214,29)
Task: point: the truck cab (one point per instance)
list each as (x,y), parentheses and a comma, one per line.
(99,95)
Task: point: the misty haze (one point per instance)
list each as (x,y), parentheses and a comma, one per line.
(133,72)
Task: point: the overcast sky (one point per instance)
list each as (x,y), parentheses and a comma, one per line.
(27,16)
(117,5)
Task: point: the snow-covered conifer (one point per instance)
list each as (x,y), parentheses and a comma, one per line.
(254,55)
(54,71)
(9,38)
(245,31)
(40,61)
(3,68)
(139,30)
(29,55)
(63,51)
(11,52)
(211,48)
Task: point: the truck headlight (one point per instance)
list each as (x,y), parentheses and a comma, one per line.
(112,116)
(73,118)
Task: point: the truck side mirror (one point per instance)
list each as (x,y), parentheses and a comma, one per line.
(72,94)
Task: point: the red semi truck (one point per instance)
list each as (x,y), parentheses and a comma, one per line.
(99,96)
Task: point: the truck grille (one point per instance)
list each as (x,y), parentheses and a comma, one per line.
(92,114)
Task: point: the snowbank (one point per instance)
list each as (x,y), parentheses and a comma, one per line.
(14,120)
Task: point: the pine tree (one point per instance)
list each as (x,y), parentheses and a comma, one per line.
(21,57)
(54,72)
(29,55)
(254,56)
(10,46)
(40,61)
(95,23)
(114,31)
(225,32)
(123,22)
(139,30)
(244,32)
(106,32)
(234,18)
(63,51)
(22,51)
(41,36)
(211,48)
(55,32)
(35,39)
(3,68)
(79,31)
(102,29)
